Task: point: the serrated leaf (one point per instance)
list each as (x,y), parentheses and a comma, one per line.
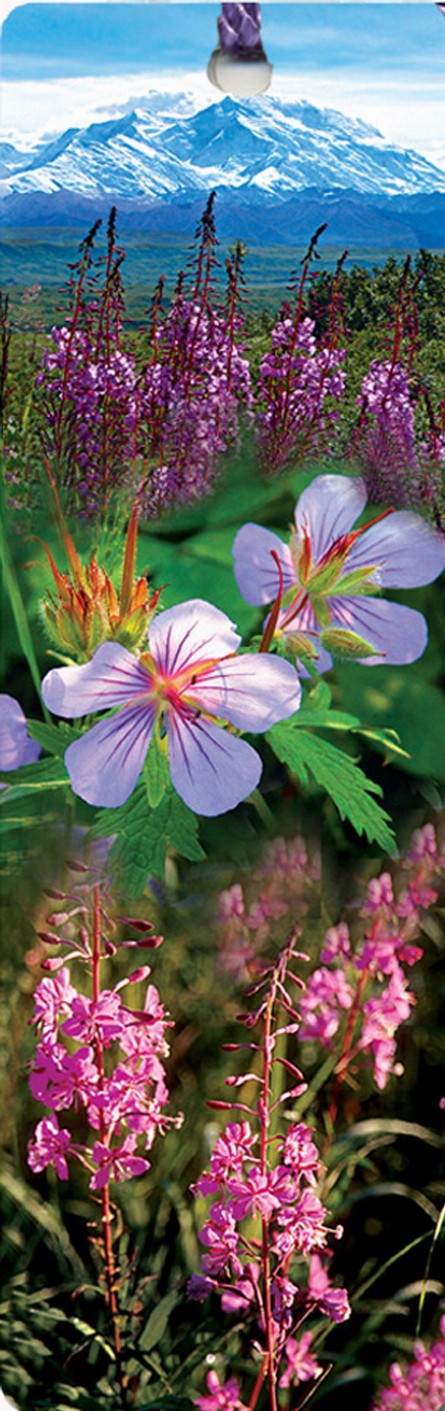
(339,775)
(141,836)
(316,709)
(53,738)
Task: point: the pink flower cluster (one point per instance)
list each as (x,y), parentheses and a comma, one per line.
(419,1385)
(283,1195)
(265,1236)
(251,915)
(97,1055)
(367,987)
(295,380)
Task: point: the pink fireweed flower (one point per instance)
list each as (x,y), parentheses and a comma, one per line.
(60,1079)
(16,747)
(52,1002)
(89,1019)
(420,1384)
(332,1301)
(301,1365)
(188,681)
(49,1146)
(221,1398)
(118,1163)
(330,573)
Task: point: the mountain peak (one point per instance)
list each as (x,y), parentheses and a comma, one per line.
(160,146)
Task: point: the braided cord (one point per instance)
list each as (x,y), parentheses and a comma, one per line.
(239,29)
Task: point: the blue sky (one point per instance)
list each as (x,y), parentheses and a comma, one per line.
(56,41)
(384,62)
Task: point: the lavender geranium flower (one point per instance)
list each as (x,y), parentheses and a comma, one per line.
(16,748)
(188,681)
(330,572)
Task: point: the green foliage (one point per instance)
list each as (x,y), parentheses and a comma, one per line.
(307,755)
(141,836)
(389,698)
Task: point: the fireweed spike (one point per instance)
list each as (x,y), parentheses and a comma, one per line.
(331,572)
(188,681)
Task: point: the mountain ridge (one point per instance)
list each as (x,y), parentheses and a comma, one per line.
(278,147)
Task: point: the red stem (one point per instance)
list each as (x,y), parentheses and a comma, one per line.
(110,1270)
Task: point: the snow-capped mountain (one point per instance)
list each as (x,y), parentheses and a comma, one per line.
(262,147)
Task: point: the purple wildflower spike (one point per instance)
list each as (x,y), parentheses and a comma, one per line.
(332,571)
(189,680)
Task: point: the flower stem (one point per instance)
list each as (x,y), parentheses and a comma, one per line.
(106,1215)
(264,1117)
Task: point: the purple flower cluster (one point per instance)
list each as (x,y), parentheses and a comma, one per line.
(98,388)
(363,992)
(386,447)
(97,1055)
(419,1385)
(190,396)
(113,423)
(295,380)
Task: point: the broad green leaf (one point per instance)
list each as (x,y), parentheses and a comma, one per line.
(33,779)
(308,755)
(157,1323)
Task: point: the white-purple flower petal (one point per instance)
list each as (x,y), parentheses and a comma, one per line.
(399,634)
(189,634)
(253,691)
(327,509)
(113,677)
(255,569)
(190,676)
(210,769)
(407,550)
(16,747)
(104,764)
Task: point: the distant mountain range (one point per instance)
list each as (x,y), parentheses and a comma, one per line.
(278,168)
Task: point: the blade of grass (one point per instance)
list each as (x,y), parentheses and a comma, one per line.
(424,1289)
(19,613)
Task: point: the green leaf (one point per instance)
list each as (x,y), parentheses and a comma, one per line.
(157,1322)
(316,709)
(141,836)
(344,781)
(33,779)
(53,738)
(156,771)
(18,608)
(399,699)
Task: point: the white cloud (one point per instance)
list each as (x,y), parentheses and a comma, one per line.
(408,113)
